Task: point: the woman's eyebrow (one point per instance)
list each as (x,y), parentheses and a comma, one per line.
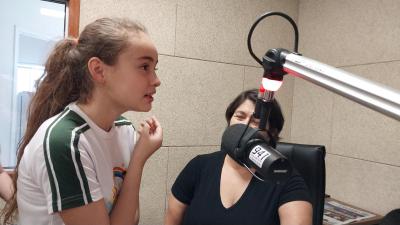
(239,112)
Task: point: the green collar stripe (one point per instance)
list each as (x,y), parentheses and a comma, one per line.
(122,123)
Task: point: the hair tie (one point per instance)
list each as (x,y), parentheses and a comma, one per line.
(74,41)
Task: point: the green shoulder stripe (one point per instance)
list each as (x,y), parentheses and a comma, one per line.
(68,181)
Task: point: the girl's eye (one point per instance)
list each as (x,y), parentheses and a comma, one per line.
(145,67)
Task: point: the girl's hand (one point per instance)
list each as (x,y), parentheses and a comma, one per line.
(151,136)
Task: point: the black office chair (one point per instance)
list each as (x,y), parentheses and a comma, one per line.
(392,218)
(309,161)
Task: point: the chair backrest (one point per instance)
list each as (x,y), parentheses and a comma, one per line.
(392,218)
(309,161)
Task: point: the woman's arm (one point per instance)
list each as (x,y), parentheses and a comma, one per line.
(126,208)
(295,213)
(175,211)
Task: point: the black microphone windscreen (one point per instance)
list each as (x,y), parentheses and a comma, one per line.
(231,137)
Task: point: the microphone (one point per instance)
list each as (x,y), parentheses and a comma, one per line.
(250,147)
(271,82)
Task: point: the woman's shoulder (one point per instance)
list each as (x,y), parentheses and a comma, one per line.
(209,156)
(198,168)
(207,160)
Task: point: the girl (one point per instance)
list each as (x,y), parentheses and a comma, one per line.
(78,162)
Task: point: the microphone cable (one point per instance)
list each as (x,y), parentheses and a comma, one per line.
(296,32)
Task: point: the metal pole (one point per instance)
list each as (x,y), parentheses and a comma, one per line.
(370,94)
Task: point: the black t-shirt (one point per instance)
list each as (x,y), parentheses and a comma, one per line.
(198,186)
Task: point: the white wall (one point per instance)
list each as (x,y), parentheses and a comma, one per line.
(362,37)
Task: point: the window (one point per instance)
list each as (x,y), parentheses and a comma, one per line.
(30,28)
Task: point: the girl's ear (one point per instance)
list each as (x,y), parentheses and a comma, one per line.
(96,69)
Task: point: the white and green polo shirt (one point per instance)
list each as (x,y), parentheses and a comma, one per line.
(71,162)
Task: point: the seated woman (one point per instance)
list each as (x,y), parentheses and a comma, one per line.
(215,189)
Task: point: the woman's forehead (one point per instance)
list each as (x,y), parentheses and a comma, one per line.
(246,107)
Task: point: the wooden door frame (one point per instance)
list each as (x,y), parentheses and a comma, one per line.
(73,18)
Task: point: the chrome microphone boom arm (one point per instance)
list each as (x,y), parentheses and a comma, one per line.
(373,95)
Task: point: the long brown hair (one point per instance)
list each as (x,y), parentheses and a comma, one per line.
(67,79)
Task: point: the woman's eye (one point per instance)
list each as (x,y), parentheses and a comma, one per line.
(240,117)
(255,122)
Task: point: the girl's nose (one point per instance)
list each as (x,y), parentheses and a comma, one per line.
(156,81)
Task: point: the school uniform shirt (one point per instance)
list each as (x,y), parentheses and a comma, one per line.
(71,162)
(198,186)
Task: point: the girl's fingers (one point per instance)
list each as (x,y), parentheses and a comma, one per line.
(151,123)
(156,123)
